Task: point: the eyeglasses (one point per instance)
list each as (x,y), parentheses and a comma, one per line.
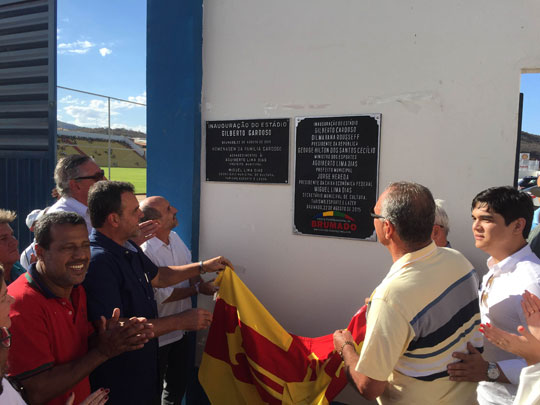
(5,337)
(373,215)
(97,177)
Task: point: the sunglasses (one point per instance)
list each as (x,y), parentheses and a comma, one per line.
(97,177)
(373,215)
(5,337)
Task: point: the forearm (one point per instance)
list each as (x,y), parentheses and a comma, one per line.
(160,326)
(167,324)
(53,382)
(366,386)
(191,319)
(181,293)
(171,275)
(350,358)
(195,280)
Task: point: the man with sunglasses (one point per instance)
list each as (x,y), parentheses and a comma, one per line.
(425,309)
(74,175)
(501,221)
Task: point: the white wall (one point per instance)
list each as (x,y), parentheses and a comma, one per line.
(444,75)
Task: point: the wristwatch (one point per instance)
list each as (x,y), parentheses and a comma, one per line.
(493,371)
(201,268)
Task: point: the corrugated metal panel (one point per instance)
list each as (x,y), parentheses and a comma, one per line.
(20,177)
(27,107)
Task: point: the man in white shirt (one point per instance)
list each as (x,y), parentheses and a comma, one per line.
(74,175)
(167,249)
(502,218)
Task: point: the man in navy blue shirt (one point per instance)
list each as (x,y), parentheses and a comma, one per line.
(120,275)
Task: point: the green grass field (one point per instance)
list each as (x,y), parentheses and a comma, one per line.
(136,176)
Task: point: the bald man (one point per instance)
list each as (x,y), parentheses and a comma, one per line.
(167,249)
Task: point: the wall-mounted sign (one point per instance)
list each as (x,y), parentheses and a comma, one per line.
(336,175)
(248,151)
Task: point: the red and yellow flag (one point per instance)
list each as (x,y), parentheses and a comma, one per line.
(250,359)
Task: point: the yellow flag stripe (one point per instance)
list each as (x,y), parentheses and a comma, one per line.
(235,293)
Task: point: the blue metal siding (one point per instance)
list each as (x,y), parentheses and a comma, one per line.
(21,189)
(27,107)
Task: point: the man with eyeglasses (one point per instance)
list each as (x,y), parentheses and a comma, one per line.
(425,309)
(74,175)
(501,221)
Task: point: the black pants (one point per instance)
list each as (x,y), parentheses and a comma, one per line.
(175,370)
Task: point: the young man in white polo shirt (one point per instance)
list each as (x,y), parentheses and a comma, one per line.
(502,218)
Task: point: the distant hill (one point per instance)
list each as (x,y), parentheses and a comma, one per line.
(530,143)
(116,131)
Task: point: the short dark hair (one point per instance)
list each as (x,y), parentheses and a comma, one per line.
(104,198)
(411,209)
(508,202)
(42,229)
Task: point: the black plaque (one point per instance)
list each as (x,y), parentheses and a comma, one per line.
(336,175)
(248,151)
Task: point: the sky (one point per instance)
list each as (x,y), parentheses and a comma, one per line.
(530,87)
(101,46)
(102,49)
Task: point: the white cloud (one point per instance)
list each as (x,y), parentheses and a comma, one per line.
(69,99)
(105,51)
(88,114)
(140,128)
(77,47)
(93,113)
(79,51)
(76,44)
(138,99)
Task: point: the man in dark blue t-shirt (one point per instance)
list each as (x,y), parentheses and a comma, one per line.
(120,275)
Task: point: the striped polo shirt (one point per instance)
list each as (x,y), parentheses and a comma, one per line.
(425,309)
